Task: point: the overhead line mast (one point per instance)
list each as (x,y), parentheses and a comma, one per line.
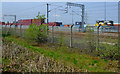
(14,21)
(82,7)
(47,16)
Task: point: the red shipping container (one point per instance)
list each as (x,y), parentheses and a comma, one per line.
(37,21)
(24,22)
(2,23)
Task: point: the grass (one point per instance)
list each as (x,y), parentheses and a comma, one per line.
(5,61)
(69,58)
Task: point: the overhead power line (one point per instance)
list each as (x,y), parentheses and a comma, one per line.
(26,9)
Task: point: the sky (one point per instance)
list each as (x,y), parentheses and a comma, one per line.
(93,11)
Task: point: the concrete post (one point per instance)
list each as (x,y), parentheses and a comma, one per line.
(97,46)
(15,25)
(71,36)
(21,30)
(53,34)
(9,29)
(47,16)
(82,18)
(5,29)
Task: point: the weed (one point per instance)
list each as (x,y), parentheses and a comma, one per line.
(76,59)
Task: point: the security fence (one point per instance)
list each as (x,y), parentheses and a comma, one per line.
(62,35)
(90,39)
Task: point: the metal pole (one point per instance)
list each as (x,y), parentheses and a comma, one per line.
(71,36)
(82,18)
(82,6)
(10,29)
(119,32)
(47,16)
(6,29)
(97,46)
(15,24)
(53,33)
(21,30)
(105,12)
(98,39)
(55,15)
(72,16)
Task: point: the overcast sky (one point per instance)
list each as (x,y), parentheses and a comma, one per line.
(93,11)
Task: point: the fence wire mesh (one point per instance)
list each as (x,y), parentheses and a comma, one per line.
(62,36)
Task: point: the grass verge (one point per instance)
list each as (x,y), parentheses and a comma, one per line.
(73,59)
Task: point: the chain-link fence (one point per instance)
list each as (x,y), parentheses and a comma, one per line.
(88,40)
(62,35)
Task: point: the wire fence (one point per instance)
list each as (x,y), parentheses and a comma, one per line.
(63,36)
(86,40)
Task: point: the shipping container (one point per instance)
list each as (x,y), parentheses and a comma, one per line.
(51,23)
(38,21)
(116,24)
(61,25)
(25,22)
(55,23)
(2,23)
(66,25)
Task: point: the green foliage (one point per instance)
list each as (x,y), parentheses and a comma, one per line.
(5,69)
(75,61)
(110,51)
(90,30)
(61,39)
(4,35)
(91,42)
(40,16)
(36,33)
(80,60)
(5,61)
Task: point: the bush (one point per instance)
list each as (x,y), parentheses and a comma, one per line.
(36,33)
(91,41)
(111,52)
(4,34)
(90,30)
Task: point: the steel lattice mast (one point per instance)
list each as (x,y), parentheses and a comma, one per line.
(82,7)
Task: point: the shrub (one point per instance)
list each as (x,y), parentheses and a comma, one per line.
(110,52)
(89,30)
(91,42)
(36,33)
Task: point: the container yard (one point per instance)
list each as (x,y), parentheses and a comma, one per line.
(60,37)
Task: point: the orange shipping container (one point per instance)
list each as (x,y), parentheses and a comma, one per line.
(66,25)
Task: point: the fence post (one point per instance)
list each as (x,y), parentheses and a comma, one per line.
(9,31)
(53,34)
(5,29)
(97,46)
(102,30)
(21,30)
(71,36)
